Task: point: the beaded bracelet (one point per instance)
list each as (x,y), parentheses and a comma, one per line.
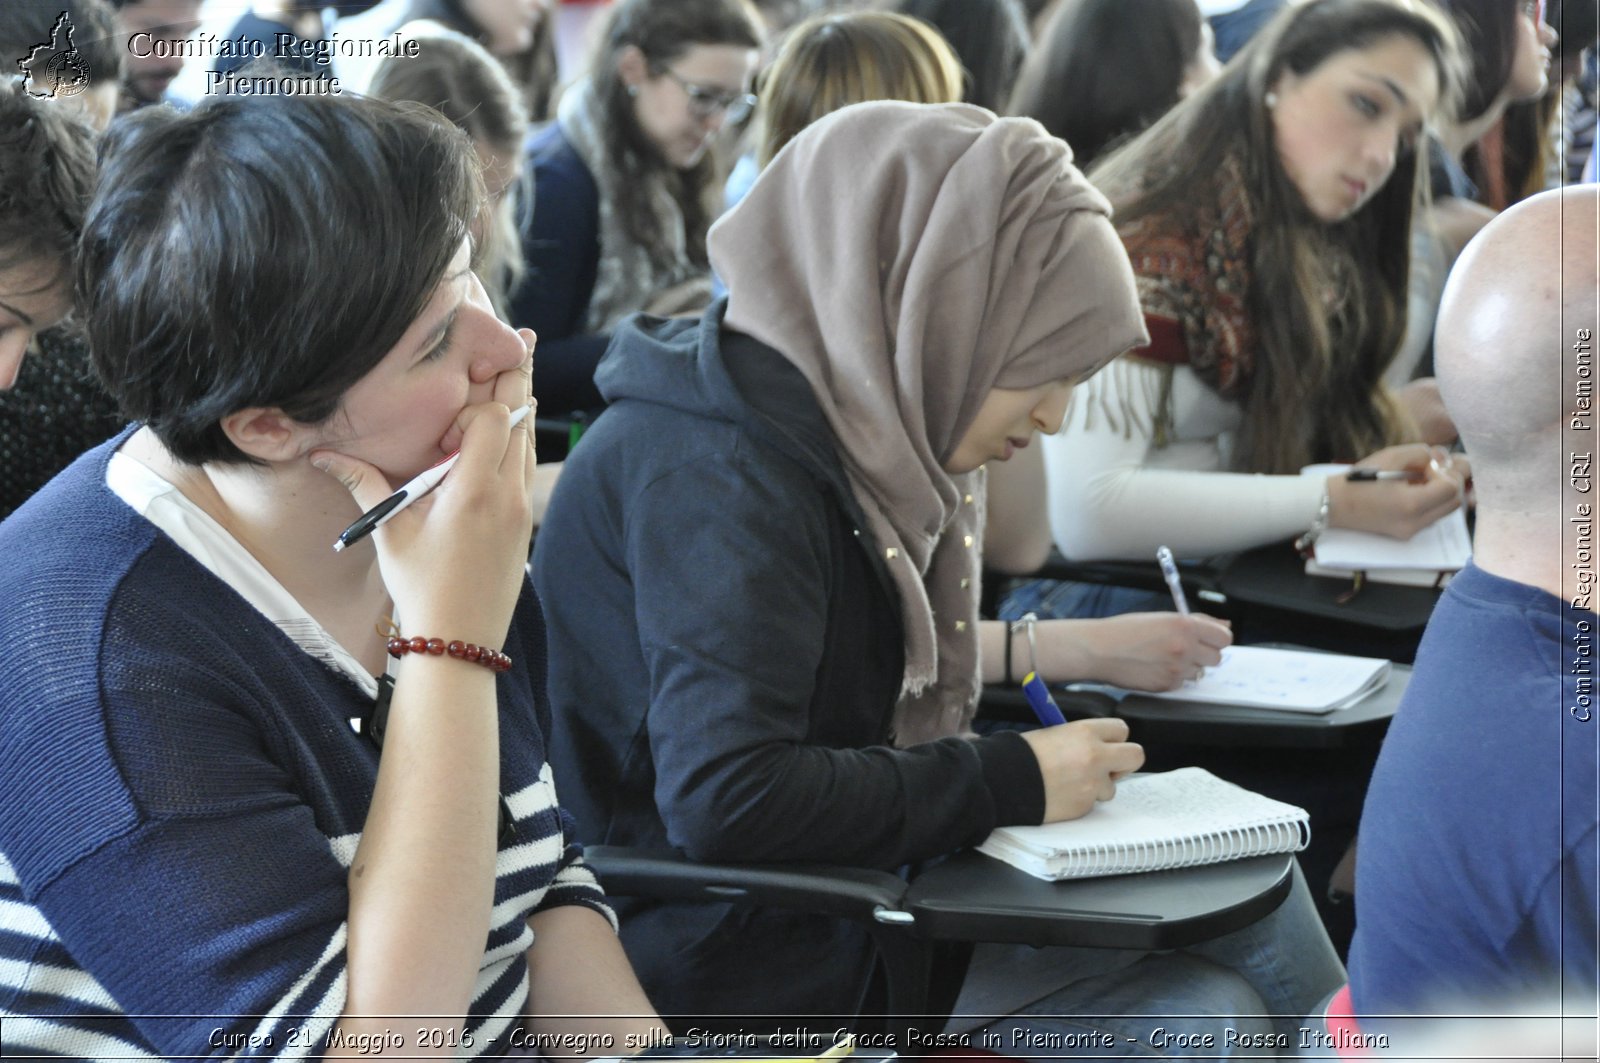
(493,660)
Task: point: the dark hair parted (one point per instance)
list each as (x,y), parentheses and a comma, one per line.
(1315,392)
(1488,31)
(264,251)
(663,30)
(1106,69)
(47,169)
(989,36)
(26,23)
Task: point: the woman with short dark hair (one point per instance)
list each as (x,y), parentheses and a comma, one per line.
(256,792)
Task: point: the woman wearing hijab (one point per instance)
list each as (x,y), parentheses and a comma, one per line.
(762,571)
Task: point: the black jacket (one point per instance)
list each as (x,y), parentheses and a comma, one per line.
(725,654)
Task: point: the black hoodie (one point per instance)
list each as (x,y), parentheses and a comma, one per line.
(725,654)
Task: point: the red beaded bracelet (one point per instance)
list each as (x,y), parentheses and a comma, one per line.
(493,660)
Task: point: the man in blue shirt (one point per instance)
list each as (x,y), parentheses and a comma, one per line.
(1476,877)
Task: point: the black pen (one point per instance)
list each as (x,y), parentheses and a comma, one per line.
(421,484)
(1366,476)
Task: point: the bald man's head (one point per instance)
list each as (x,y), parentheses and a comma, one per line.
(1514,347)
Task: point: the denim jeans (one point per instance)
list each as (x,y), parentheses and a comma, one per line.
(1240,995)
(1067,600)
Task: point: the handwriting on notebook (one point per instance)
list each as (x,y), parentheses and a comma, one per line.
(1295,680)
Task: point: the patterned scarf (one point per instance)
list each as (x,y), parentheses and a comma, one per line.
(1194,275)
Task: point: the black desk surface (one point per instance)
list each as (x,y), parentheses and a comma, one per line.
(1268,589)
(973,897)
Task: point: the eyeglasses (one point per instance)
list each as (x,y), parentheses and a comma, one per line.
(705,104)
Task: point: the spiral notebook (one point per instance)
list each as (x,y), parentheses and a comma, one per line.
(1180,818)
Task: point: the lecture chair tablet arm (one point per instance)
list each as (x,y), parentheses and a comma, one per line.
(666,874)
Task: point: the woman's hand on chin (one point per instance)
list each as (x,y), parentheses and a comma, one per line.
(453,562)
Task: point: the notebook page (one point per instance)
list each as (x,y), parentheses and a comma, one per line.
(1295,680)
(1442,546)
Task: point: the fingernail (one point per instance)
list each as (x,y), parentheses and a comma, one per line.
(321,463)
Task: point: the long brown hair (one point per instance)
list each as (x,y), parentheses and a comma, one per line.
(1315,392)
(663,30)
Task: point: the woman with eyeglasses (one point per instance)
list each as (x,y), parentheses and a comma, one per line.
(626,185)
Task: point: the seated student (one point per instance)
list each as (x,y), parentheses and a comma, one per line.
(459,78)
(762,566)
(197,848)
(1507,50)
(50,409)
(835,59)
(1099,76)
(625,185)
(1476,877)
(1267,217)
(990,36)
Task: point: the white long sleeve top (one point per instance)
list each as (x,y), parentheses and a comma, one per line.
(1115,495)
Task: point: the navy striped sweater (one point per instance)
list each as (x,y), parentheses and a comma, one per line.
(181,794)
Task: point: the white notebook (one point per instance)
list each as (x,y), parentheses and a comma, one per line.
(1180,818)
(1265,677)
(1443,546)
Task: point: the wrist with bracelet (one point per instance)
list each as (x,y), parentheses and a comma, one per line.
(1306,543)
(1025,624)
(492,659)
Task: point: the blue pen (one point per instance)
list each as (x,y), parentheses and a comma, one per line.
(1039,700)
(1044,706)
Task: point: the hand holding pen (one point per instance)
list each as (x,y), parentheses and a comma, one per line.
(1398,491)
(454,563)
(415,488)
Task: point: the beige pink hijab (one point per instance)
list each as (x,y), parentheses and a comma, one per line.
(909,258)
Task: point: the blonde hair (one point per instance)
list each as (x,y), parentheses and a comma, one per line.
(832,61)
(457,77)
